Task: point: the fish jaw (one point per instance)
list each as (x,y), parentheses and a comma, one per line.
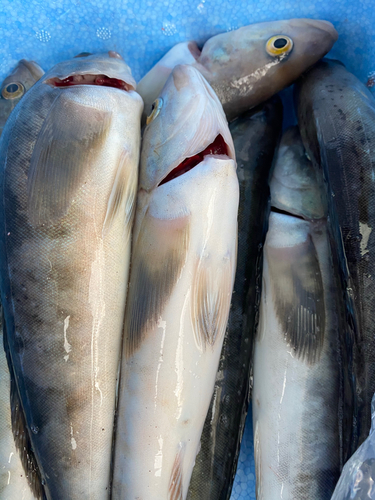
(296,187)
(243,74)
(190,110)
(152,83)
(168,378)
(106,64)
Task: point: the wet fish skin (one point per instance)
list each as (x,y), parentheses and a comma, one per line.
(13,480)
(238,67)
(15,85)
(65,250)
(301,378)
(255,136)
(336,113)
(182,274)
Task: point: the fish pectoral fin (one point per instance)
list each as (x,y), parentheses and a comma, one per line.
(159,255)
(20,430)
(62,154)
(175,488)
(123,195)
(299,297)
(212,292)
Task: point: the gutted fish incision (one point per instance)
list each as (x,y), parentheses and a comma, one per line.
(182,274)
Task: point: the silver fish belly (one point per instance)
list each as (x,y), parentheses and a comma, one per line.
(68,197)
(300,364)
(182,274)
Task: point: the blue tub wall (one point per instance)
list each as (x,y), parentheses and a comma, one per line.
(142,31)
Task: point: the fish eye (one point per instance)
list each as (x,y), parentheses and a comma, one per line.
(155,110)
(279,45)
(13,90)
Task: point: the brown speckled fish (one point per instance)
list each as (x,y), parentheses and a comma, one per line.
(68,177)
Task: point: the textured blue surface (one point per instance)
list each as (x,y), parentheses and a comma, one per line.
(143,30)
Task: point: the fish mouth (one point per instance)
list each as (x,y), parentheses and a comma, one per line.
(88,79)
(285,212)
(217,148)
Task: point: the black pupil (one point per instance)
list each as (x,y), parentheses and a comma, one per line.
(280,43)
(12,87)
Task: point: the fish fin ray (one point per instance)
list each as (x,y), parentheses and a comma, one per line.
(211,301)
(64,148)
(122,196)
(175,488)
(159,255)
(20,430)
(299,298)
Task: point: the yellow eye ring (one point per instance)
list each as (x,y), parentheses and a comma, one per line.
(155,110)
(279,45)
(13,90)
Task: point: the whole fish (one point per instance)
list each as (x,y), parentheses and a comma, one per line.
(15,85)
(68,175)
(14,481)
(249,65)
(336,113)
(182,274)
(255,135)
(301,381)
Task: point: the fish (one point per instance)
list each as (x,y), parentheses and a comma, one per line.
(247,66)
(336,113)
(182,274)
(13,480)
(255,135)
(302,397)
(15,85)
(68,174)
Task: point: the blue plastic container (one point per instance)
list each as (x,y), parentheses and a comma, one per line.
(143,30)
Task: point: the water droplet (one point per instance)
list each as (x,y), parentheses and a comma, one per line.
(43,36)
(34,429)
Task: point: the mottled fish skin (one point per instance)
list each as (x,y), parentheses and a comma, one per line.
(336,113)
(15,85)
(238,67)
(255,136)
(13,479)
(301,381)
(182,274)
(68,197)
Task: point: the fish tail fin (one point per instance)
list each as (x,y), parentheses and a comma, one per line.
(20,430)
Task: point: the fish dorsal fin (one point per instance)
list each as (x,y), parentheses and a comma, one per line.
(298,296)
(123,194)
(71,136)
(21,432)
(175,489)
(158,257)
(212,292)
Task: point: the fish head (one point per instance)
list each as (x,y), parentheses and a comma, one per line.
(186,124)
(15,85)
(297,185)
(249,65)
(106,69)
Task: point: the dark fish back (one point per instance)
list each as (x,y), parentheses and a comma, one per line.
(337,119)
(255,135)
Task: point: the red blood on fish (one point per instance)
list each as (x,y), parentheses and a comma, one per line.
(218,147)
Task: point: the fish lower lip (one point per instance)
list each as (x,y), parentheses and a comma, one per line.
(97,80)
(217,147)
